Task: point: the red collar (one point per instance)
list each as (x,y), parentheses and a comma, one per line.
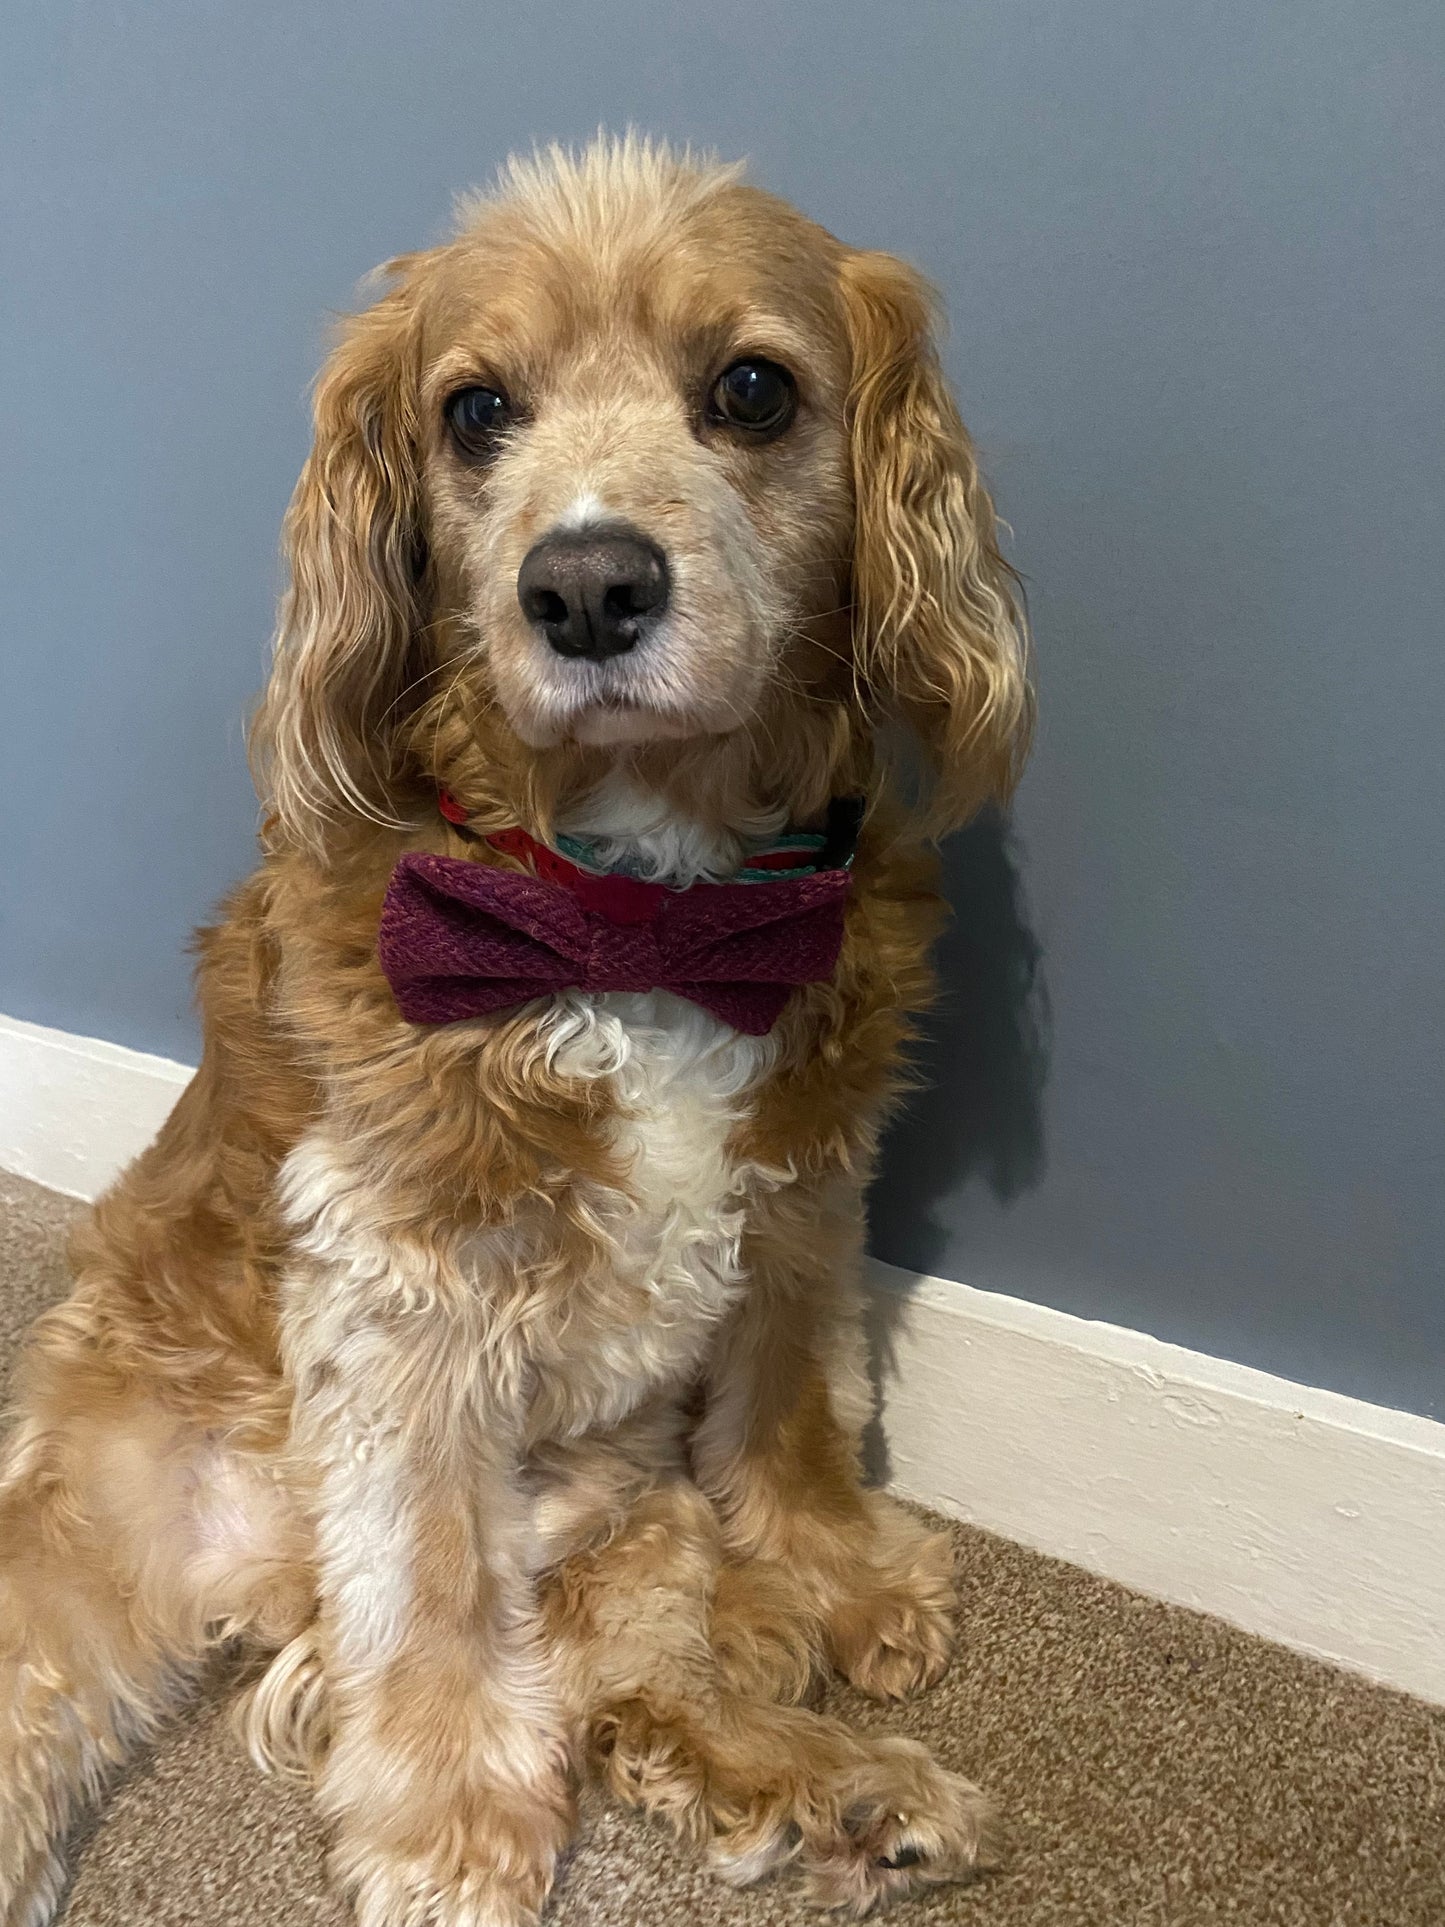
(624,899)
(618,898)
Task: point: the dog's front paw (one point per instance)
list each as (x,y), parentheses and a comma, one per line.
(490,1866)
(905,1822)
(413,1893)
(892,1629)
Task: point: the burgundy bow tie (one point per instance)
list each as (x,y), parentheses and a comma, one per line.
(463,939)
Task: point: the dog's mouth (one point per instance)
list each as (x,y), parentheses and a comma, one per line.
(647,694)
(617,722)
(613,723)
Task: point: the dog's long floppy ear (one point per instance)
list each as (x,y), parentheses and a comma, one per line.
(938,631)
(323,740)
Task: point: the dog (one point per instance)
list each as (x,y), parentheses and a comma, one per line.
(478,1344)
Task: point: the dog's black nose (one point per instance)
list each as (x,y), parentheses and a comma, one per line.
(593,592)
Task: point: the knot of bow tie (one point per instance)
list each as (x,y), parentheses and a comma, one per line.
(460,939)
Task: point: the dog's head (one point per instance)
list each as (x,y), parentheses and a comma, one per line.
(641,466)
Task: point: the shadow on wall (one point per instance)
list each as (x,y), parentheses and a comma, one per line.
(983,1055)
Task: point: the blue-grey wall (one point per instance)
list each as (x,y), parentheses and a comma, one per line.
(1190,1066)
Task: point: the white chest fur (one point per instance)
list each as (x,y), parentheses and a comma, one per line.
(556,1353)
(681,1082)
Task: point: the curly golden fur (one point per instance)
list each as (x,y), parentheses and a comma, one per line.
(497,1382)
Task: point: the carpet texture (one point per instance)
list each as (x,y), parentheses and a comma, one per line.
(1158,1768)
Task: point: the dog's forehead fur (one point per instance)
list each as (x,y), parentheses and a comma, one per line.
(669,254)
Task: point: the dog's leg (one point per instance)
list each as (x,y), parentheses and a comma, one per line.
(131,1541)
(755,1785)
(840,1569)
(447,1773)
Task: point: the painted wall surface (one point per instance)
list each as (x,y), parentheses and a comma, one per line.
(1188,1065)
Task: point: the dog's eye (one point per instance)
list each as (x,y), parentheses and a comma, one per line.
(476,417)
(755,395)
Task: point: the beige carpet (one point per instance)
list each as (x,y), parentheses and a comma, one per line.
(1159,1769)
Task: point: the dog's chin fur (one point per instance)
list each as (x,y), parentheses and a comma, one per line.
(500,1379)
(621,726)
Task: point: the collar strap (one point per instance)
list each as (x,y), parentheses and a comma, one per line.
(796,853)
(621,899)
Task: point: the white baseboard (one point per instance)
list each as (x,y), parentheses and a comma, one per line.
(75,1110)
(1309,1518)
